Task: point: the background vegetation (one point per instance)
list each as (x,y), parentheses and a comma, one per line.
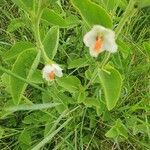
(82,121)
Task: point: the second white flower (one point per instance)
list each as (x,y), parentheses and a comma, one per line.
(100,39)
(49,72)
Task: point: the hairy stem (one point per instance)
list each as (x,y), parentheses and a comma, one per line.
(36,29)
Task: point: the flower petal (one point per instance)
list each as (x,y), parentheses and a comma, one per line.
(57,70)
(89,38)
(109,41)
(94,53)
(46,70)
(107,36)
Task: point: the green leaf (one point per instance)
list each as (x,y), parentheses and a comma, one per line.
(37,77)
(24,66)
(53,18)
(2,131)
(143,3)
(72,20)
(91,101)
(25,137)
(117,129)
(51,42)
(26,5)
(78,63)
(92,13)
(29,4)
(17,49)
(15,24)
(112,5)
(124,48)
(147,48)
(92,75)
(71,83)
(31,107)
(60,98)
(36,117)
(112,133)
(81,95)
(111,82)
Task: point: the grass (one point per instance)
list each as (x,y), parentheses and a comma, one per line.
(79,127)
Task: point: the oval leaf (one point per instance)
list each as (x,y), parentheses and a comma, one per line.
(15,24)
(78,63)
(24,66)
(118,129)
(51,41)
(70,83)
(17,49)
(92,13)
(53,18)
(111,83)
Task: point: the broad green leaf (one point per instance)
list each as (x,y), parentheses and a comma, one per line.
(81,96)
(53,18)
(92,13)
(17,49)
(111,82)
(36,77)
(71,83)
(78,63)
(24,66)
(51,41)
(112,133)
(15,24)
(117,130)
(72,20)
(90,101)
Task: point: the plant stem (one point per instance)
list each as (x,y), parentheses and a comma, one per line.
(129,12)
(106,58)
(36,29)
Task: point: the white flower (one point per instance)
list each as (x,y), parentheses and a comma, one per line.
(49,72)
(100,39)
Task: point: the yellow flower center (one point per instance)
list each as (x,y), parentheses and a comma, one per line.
(51,75)
(98,44)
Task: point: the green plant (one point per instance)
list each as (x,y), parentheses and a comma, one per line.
(97,103)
